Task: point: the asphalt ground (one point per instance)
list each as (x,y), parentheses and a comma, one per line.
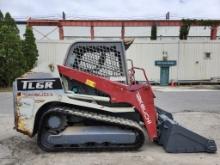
(189,101)
(196,110)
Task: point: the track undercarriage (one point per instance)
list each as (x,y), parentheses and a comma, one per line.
(64,128)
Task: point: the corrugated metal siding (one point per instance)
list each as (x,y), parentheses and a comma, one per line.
(199,31)
(144,54)
(51,52)
(218,32)
(194,65)
(198,38)
(107,31)
(46,32)
(163,33)
(76,31)
(21,30)
(137,31)
(168,31)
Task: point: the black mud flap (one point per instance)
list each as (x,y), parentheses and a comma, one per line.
(177,139)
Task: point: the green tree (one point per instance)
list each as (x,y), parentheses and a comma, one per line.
(11,56)
(10,22)
(153,32)
(184,29)
(29,48)
(1,18)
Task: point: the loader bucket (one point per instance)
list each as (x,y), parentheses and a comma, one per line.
(177,139)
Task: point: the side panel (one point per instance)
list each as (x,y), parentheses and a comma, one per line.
(29,96)
(27,101)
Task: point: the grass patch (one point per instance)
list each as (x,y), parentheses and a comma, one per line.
(8,89)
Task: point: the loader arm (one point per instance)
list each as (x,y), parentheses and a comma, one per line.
(139,95)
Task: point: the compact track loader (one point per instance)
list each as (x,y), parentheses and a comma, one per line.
(96,104)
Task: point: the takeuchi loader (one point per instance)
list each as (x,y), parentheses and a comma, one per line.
(96,104)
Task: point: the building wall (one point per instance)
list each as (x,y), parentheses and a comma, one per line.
(164,33)
(51,52)
(192,62)
(138,31)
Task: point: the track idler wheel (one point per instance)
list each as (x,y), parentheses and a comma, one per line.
(56,122)
(51,123)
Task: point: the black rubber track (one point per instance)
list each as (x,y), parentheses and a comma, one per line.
(106,119)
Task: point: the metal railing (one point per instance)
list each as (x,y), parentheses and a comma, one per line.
(131,73)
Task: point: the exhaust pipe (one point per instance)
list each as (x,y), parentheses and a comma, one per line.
(177,139)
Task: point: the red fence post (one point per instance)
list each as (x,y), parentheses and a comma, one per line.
(213,35)
(122,31)
(61,34)
(92,32)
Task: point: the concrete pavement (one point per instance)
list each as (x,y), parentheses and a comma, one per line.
(196,111)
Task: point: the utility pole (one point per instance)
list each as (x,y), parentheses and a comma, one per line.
(168,15)
(63,15)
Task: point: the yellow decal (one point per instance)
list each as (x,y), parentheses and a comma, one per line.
(90,83)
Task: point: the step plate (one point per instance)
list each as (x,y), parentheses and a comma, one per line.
(93,134)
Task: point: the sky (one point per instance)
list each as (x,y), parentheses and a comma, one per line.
(112,9)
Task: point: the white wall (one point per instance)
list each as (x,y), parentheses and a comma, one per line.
(76,31)
(46,32)
(190,57)
(51,52)
(137,31)
(168,31)
(107,31)
(200,31)
(144,55)
(164,33)
(21,30)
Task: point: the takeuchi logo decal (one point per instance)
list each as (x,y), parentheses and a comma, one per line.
(143,108)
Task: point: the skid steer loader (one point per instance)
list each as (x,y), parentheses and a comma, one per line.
(96,104)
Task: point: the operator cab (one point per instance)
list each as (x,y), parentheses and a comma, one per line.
(105,59)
